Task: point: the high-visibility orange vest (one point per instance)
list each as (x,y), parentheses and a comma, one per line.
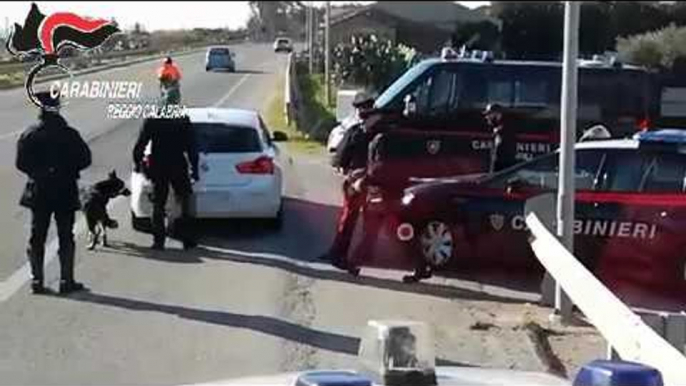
(170,72)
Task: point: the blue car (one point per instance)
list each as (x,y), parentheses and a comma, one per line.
(220,58)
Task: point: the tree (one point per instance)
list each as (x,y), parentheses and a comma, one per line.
(482,35)
(272,17)
(531,30)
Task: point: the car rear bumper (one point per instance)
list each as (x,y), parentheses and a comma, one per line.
(259,199)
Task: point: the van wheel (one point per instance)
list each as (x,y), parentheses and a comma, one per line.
(141,224)
(436,242)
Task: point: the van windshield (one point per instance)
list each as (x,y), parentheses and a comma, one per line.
(387,97)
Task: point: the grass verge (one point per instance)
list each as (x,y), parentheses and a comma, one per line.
(274,117)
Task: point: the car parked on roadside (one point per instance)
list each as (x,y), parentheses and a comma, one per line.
(239,169)
(630,213)
(283,44)
(220,58)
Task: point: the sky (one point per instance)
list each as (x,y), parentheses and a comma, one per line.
(154,15)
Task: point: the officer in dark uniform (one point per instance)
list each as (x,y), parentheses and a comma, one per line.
(504,150)
(52,154)
(351,157)
(173,149)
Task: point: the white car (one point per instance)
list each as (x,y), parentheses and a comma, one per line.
(283,44)
(239,169)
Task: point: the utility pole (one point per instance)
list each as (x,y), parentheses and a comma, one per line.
(310,37)
(327,54)
(566,188)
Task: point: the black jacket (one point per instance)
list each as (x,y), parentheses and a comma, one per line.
(352,152)
(173,146)
(504,150)
(52,155)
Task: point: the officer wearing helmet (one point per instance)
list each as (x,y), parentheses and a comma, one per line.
(504,149)
(169,76)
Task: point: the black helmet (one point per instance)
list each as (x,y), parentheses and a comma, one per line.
(168,60)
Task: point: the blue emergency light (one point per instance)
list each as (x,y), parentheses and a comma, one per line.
(666,136)
(332,378)
(617,373)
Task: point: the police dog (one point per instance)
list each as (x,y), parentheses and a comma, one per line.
(94,205)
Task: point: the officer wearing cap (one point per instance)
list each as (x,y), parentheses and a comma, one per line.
(52,154)
(351,157)
(504,150)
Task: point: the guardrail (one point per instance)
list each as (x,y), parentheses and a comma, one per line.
(628,334)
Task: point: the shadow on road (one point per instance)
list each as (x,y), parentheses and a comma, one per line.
(264,324)
(306,233)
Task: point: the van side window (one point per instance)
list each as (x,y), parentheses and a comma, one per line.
(665,174)
(433,94)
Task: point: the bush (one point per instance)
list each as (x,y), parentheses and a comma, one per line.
(370,62)
(659,49)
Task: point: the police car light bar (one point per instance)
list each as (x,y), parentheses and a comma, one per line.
(617,373)
(666,136)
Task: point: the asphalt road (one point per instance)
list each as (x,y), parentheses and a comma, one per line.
(248,301)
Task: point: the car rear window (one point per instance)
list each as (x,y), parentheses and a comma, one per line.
(219,51)
(283,41)
(222,138)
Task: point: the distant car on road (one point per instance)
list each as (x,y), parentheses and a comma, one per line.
(220,58)
(239,169)
(630,213)
(283,44)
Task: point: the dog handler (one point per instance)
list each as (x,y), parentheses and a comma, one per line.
(52,154)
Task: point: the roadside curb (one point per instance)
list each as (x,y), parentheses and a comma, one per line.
(538,337)
(105,67)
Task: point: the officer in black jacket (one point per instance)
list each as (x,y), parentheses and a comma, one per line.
(173,149)
(52,154)
(351,156)
(504,150)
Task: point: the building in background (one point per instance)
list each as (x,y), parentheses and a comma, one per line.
(426,26)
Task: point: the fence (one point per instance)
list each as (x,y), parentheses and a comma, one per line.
(626,332)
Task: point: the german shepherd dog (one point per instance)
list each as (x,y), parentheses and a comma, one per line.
(94,206)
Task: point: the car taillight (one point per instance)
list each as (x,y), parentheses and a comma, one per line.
(147,162)
(262,165)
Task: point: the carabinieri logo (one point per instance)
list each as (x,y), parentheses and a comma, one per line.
(47,35)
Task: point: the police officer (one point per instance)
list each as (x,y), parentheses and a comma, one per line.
(351,157)
(504,150)
(172,150)
(52,154)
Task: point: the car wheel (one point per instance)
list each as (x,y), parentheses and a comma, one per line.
(207,69)
(276,223)
(140,224)
(436,242)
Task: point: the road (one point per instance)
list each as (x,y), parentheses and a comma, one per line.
(248,301)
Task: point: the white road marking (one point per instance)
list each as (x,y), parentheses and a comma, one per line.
(231,91)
